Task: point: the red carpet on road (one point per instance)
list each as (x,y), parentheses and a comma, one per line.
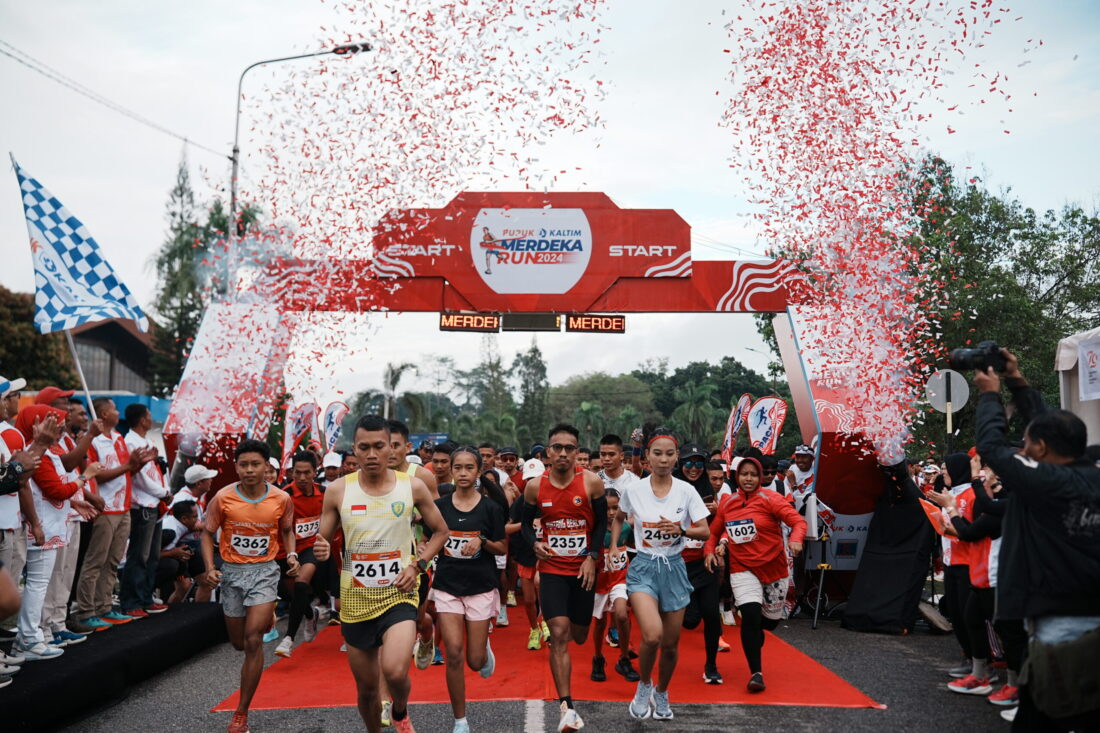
(317,676)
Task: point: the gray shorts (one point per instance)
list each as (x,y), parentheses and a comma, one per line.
(248,584)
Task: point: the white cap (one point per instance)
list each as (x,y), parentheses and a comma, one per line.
(332,460)
(274,462)
(414,459)
(533,468)
(11,385)
(198,473)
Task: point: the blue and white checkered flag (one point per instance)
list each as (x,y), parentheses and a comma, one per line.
(74,283)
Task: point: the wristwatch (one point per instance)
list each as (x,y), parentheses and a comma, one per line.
(422,564)
(17,467)
(593,554)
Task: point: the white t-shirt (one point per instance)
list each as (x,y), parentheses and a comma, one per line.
(682,505)
(185,494)
(803,486)
(620,482)
(9,503)
(149,484)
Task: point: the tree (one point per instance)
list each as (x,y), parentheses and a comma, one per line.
(41,359)
(529,371)
(696,415)
(391,378)
(612,393)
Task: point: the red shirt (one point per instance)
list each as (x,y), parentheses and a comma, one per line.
(750,525)
(961,551)
(567,523)
(307,516)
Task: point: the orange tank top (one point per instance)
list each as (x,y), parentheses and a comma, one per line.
(250,528)
(567,522)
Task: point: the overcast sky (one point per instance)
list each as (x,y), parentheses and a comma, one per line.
(177,64)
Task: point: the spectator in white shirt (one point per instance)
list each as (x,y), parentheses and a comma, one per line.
(197,482)
(150,489)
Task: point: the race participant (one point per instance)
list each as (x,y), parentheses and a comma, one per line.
(508,461)
(490,486)
(379,576)
(746,530)
(441,468)
(612,471)
(271,472)
(350,464)
(308,498)
(507,458)
(663,511)
(574,522)
(611,600)
(716,475)
(399,457)
(253,517)
(800,476)
(330,465)
(425,452)
(584,458)
(520,549)
(465,587)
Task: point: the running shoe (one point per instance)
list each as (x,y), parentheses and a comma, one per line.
(156,608)
(598,673)
(38,651)
(1007,695)
(7,670)
(728,618)
(1010,714)
(461,726)
(545,632)
(512,598)
(438,658)
(11,658)
(68,638)
(283,650)
(78,627)
(404,725)
(756,682)
(344,647)
(387,713)
(612,638)
(712,676)
(661,709)
(641,705)
(423,653)
(534,639)
(115,618)
(310,631)
(722,645)
(626,669)
(502,617)
(96,623)
(961,670)
(239,723)
(570,720)
(4,681)
(271,635)
(490,662)
(971,685)
(136,613)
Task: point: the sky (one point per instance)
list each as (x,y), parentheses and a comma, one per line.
(660,147)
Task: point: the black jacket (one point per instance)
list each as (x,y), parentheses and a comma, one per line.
(1050,548)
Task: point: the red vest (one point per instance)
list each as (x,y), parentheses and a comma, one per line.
(567,522)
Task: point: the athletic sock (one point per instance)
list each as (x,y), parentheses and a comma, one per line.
(567,700)
(980,668)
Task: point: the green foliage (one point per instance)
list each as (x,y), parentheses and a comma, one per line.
(41,359)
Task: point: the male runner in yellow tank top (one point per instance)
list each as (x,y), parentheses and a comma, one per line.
(380,568)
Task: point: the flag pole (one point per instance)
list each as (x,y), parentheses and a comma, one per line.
(80,372)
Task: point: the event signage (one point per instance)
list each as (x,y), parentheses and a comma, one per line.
(480,322)
(766,423)
(1088,359)
(587,323)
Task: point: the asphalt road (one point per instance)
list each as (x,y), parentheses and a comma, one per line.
(905,673)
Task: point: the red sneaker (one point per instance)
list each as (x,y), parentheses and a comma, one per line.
(156,608)
(722,645)
(136,613)
(239,724)
(1006,696)
(971,685)
(404,725)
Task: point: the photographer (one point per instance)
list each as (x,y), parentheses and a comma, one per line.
(1049,564)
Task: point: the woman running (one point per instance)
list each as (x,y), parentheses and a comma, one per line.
(663,511)
(466,578)
(746,529)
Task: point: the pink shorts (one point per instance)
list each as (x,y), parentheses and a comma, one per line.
(480,607)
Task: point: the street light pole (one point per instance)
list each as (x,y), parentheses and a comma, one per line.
(231,233)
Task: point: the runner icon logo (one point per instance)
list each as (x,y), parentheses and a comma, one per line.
(531,250)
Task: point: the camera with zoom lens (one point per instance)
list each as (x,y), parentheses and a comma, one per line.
(986,354)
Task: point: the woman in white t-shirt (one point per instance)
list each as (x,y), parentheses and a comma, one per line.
(662,511)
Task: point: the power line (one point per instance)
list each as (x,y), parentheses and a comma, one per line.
(54,75)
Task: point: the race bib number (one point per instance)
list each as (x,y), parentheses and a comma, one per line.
(567,542)
(652,536)
(306,527)
(693,544)
(613,562)
(375,569)
(741,530)
(456,543)
(250,545)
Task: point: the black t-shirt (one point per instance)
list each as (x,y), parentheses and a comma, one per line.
(518,547)
(466,576)
(446,489)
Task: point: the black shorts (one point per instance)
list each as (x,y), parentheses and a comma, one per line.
(423,588)
(305,556)
(562,595)
(368,634)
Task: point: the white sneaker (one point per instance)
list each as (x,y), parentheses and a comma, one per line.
(310,631)
(490,662)
(640,706)
(41,650)
(5,681)
(502,616)
(7,670)
(570,720)
(424,652)
(1010,714)
(283,650)
(11,659)
(661,709)
(728,618)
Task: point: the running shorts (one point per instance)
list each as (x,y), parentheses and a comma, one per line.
(478,607)
(562,595)
(772,597)
(248,584)
(369,634)
(604,602)
(526,572)
(663,578)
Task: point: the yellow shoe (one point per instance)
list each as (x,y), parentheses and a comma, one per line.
(545,632)
(387,719)
(534,639)
(512,598)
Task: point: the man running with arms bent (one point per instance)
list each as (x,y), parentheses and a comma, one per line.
(379,572)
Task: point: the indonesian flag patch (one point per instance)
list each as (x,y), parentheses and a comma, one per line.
(358,509)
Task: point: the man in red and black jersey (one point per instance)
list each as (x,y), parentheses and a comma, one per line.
(308,498)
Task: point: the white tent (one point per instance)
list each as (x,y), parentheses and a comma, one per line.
(1078,394)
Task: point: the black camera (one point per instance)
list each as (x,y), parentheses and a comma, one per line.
(987,354)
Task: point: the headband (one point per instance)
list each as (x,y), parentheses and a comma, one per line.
(658,436)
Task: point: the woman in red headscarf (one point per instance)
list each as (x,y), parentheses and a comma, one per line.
(747,529)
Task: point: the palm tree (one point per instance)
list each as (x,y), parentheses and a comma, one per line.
(696,414)
(591,421)
(390,379)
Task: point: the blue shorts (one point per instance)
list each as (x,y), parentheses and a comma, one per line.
(663,578)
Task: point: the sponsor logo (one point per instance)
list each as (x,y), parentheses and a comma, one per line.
(531,250)
(576,501)
(398,508)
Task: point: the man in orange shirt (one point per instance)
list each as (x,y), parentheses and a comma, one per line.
(253,517)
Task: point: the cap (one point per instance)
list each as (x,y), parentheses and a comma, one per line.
(426,445)
(508,450)
(414,459)
(274,462)
(11,385)
(930,469)
(537,448)
(332,460)
(692,449)
(49,394)
(198,473)
(803,450)
(532,468)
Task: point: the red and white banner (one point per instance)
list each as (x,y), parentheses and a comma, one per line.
(766,423)
(330,427)
(738,415)
(298,424)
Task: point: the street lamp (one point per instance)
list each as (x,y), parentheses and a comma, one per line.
(346,49)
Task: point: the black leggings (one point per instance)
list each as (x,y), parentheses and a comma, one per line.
(1014,640)
(299,605)
(979,610)
(753,625)
(703,606)
(956,591)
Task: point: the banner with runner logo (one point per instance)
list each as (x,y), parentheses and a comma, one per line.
(766,423)
(738,415)
(297,425)
(331,425)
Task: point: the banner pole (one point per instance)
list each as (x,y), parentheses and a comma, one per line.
(80,373)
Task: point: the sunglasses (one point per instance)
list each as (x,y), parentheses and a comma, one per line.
(693,464)
(562,447)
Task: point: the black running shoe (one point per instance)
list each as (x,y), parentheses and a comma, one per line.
(756,682)
(711,676)
(598,674)
(626,669)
